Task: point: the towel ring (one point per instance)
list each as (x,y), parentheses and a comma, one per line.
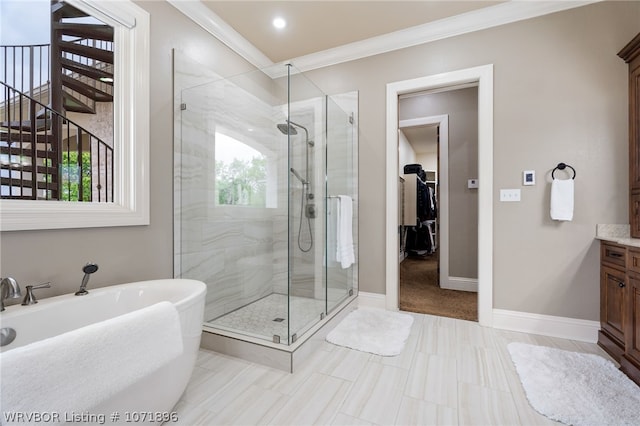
(562,166)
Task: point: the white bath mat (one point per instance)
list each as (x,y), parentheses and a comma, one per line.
(576,388)
(375,331)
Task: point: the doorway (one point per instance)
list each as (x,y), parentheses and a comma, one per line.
(438,268)
(483,77)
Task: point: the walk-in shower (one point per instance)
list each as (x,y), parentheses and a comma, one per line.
(262,162)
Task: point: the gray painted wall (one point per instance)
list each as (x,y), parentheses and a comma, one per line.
(560,94)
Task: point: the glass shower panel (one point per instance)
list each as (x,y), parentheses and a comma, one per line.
(341,199)
(233,194)
(307,139)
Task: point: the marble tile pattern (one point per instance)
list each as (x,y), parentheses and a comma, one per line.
(451,372)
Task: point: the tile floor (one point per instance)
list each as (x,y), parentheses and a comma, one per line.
(451,372)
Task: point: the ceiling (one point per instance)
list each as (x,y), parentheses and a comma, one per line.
(423,139)
(314,26)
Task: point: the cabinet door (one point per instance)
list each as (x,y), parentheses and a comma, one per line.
(612,303)
(632,332)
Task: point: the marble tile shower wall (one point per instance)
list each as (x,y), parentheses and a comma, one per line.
(235,250)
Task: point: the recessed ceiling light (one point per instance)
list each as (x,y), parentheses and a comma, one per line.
(279,23)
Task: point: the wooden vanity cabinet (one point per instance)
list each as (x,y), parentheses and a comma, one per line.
(631,55)
(619,332)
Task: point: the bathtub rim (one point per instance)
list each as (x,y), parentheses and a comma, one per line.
(190,297)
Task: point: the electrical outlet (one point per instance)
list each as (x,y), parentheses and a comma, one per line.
(509,195)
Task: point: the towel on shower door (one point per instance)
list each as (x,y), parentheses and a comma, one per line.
(78,370)
(345,254)
(562,199)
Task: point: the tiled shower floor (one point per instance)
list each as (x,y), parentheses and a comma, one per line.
(267,317)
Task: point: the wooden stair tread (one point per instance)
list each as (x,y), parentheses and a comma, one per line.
(87,51)
(86,90)
(91,31)
(86,70)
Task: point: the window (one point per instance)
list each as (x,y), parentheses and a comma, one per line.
(130,203)
(242,174)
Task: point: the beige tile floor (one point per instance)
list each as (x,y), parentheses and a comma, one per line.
(451,372)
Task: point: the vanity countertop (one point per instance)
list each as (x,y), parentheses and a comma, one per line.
(619,234)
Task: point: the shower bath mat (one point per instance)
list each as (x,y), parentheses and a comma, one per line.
(375,331)
(576,388)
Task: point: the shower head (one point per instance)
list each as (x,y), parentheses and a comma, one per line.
(287,129)
(304,182)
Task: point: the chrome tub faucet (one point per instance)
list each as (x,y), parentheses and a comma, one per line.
(9,289)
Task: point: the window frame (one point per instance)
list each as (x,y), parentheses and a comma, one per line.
(130,135)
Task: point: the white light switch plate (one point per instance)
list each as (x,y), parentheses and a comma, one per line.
(509,195)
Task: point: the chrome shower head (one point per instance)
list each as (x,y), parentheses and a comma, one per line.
(287,129)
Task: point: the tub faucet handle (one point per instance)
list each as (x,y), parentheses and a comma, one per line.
(30,298)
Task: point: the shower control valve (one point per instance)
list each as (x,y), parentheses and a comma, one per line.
(311,211)
(310,196)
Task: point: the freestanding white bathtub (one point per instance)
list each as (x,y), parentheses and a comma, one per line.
(156,393)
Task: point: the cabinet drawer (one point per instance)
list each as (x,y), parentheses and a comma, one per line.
(614,254)
(633,260)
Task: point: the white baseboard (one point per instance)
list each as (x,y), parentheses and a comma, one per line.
(547,325)
(372,300)
(460,283)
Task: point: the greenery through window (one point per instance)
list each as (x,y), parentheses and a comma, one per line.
(241,173)
(71,176)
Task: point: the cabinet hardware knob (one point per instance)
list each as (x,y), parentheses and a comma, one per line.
(621,284)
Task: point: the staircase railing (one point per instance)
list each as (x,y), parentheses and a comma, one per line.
(37,163)
(26,67)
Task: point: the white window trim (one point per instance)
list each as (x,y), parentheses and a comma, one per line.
(131,136)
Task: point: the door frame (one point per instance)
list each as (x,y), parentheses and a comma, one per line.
(483,76)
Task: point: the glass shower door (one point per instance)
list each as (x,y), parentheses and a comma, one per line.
(341,200)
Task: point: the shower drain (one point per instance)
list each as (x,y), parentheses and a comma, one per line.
(278,319)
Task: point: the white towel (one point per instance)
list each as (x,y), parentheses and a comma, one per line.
(332,232)
(78,370)
(345,254)
(562,199)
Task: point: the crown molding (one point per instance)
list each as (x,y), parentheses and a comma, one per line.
(212,23)
(500,14)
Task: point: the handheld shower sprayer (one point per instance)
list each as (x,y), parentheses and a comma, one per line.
(304,182)
(88,269)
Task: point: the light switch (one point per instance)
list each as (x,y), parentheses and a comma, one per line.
(509,195)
